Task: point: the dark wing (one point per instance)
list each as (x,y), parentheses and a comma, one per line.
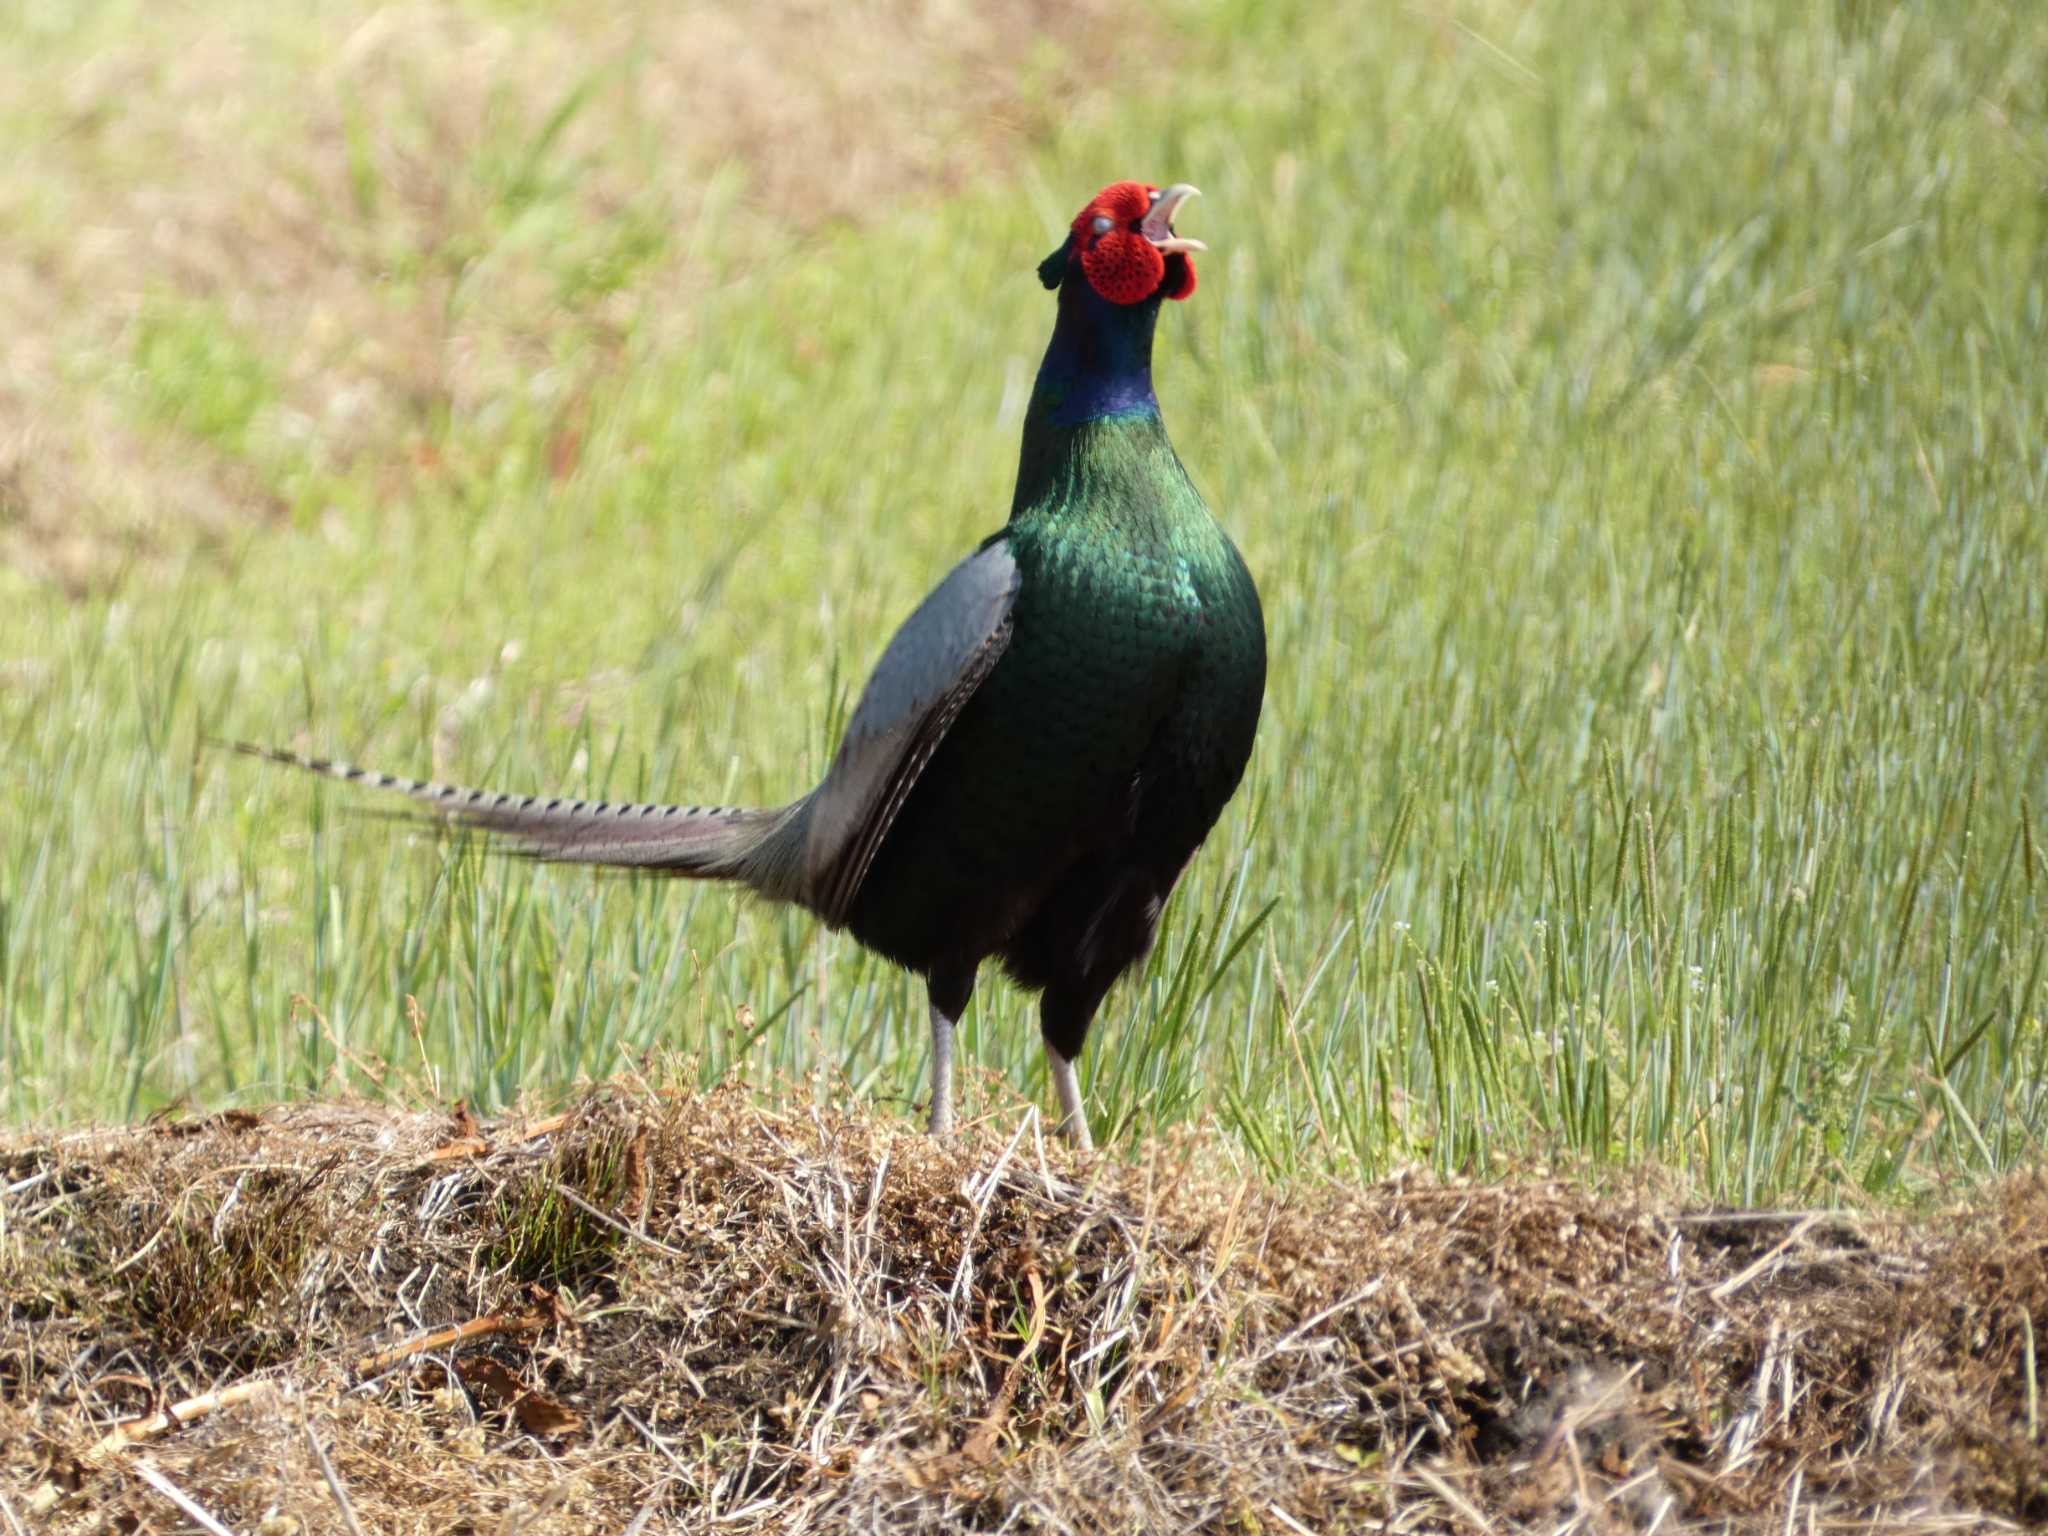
(929,671)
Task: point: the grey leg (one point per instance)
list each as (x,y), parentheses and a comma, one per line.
(942,1074)
(1073,1117)
(948,992)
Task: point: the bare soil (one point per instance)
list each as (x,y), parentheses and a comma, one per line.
(667,1311)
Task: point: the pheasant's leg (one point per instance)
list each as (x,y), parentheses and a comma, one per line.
(942,1074)
(1064,1014)
(1073,1116)
(948,994)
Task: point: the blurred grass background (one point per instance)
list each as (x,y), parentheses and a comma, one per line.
(1633,413)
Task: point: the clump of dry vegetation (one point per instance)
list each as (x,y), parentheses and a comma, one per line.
(668,1311)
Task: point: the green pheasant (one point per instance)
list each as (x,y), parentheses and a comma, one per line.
(1046,740)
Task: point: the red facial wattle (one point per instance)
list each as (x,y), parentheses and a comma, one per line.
(1127,246)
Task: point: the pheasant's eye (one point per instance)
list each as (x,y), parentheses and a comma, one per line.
(1103,224)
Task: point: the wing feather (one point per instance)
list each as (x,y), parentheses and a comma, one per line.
(925,677)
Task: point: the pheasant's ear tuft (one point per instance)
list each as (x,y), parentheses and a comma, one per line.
(1053,270)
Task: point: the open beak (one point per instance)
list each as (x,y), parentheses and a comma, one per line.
(1158,225)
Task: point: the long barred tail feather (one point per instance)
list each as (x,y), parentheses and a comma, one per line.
(711,842)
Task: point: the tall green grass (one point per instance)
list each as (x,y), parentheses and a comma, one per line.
(1634,416)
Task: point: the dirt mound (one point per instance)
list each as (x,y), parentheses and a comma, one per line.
(668,1312)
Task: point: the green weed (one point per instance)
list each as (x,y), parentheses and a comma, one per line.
(1634,419)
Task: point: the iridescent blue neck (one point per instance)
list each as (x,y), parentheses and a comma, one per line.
(1093,407)
(1099,361)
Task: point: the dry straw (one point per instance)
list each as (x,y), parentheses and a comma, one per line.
(679,1312)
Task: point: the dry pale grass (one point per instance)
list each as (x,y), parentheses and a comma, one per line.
(415,210)
(667,1311)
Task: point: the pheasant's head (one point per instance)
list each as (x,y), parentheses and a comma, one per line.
(1123,243)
